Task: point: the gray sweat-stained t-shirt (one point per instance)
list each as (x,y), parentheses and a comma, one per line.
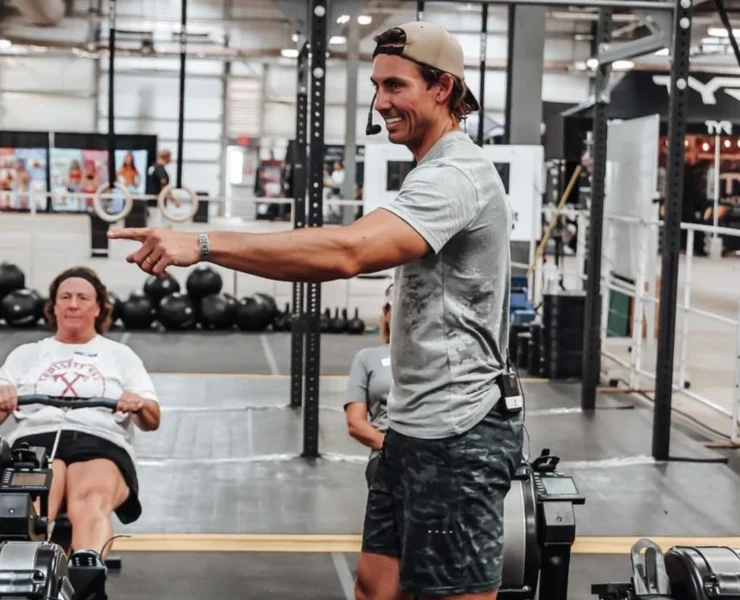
(450,323)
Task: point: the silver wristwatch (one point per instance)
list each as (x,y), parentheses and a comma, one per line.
(205,246)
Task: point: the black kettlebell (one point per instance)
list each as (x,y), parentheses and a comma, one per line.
(337,324)
(325,321)
(356,326)
(282,320)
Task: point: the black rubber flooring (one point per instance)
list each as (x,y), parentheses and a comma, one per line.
(227,459)
(302,576)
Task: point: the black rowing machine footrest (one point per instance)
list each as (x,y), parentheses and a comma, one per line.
(114,563)
(613,591)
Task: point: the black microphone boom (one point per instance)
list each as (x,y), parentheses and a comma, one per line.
(370,128)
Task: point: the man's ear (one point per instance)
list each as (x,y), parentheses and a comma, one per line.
(446,83)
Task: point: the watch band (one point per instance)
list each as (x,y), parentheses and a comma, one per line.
(204,245)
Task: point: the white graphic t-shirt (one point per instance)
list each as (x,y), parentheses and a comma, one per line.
(101,368)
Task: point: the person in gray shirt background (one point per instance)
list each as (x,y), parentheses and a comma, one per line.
(369,383)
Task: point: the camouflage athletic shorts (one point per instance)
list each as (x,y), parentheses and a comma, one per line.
(442,502)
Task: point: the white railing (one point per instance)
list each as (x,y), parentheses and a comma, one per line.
(644,310)
(85,200)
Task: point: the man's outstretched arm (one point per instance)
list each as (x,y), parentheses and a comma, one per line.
(379,240)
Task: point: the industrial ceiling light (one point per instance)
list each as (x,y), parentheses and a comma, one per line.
(338,39)
(5,44)
(722,32)
(364,19)
(343,19)
(617,65)
(622,65)
(289,53)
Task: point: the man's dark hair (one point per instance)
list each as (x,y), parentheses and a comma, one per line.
(456,102)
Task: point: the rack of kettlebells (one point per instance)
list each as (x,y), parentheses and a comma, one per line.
(162,305)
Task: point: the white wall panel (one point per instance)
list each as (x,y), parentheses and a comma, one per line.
(167,9)
(167,66)
(202,177)
(158,97)
(166,130)
(54,94)
(33,112)
(52,73)
(147,101)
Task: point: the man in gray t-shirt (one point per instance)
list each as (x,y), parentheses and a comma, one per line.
(434,516)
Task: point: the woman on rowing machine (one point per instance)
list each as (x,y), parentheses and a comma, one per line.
(367,391)
(94,465)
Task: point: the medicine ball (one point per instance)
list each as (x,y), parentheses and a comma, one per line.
(271,302)
(217,311)
(39,307)
(159,287)
(282,321)
(19,308)
(138,311)
(11,279)
(253,313)
(115,307)
(176,312)
(203,281)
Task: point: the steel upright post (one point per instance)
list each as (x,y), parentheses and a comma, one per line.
(319,14)
(677,110)
(298,326)
(592,318)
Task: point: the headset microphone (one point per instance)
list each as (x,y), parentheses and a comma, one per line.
(370,128)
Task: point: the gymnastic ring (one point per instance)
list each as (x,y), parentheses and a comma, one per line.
(128,205)
(162,198)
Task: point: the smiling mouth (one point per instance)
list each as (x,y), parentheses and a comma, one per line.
(393,120)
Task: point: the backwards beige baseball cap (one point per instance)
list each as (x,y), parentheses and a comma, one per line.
(431,45)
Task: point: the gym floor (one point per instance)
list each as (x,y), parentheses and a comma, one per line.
(231,510)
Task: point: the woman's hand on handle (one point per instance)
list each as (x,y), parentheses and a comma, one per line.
(146,413)
(130,403)
(8,398)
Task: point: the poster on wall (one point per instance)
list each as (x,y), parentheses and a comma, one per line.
(74,173)
(131,168)
(22,177)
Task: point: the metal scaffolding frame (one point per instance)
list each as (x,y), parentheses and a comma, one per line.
(677,33)
(315,217)
(300,156)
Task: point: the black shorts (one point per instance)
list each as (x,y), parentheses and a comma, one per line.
(372,464)
(75,447)
(438,505)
